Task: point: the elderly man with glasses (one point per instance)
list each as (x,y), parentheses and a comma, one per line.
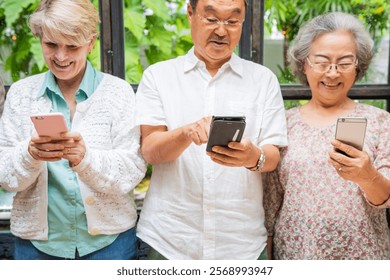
(208,205)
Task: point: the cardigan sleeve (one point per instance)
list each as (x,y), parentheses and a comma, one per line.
(18,170)
(119,169)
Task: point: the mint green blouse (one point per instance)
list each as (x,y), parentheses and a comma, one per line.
(67,221)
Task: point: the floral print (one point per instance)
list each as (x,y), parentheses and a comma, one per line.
(311,212)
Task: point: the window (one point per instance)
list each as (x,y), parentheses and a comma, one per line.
(263,40)
(135,33)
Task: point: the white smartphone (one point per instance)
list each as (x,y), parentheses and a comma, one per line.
(51,124)
(351,131)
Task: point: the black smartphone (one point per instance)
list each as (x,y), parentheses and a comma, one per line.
(351,131)
(225,129)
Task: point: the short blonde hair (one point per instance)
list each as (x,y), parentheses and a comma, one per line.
(72,21)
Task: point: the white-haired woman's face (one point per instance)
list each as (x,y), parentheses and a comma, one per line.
(67,62)
(336,50)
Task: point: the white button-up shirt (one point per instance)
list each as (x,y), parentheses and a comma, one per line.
(195,208)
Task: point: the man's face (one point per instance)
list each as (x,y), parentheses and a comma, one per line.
(214,41)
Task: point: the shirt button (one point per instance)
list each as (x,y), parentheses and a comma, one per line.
(94,231)
(90,200)
(81,107)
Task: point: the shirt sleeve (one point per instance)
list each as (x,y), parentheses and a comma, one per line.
(18,169)
(119,169)
(382,152)
(273,128)
(149,106)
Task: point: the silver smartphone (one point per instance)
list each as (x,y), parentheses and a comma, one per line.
(351,131)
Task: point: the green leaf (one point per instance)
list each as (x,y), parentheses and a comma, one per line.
(36,50)
(134,68)
(13,8)
(135,22)
(159,8)
(94,56)
(163,40)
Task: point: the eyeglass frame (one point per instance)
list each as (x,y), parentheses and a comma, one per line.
(219,22)
(337,68)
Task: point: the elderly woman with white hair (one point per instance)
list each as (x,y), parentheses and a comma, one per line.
(73,195)
(320,203)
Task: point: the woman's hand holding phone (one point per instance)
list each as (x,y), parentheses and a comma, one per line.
(355,167)
(74,149)
(71,147)
(45,149)
(53,142)
(348,157)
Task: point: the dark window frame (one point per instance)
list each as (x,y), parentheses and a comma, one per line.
(251,47)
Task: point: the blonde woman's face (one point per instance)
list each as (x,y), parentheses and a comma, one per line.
(67,62)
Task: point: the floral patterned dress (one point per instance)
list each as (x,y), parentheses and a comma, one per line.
(311,211)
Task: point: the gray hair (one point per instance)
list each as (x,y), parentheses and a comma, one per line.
(195,2)
(331,22)
(72,21)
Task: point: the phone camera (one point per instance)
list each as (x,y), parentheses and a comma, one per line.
(343,120)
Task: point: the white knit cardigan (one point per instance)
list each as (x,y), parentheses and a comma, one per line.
(111,168)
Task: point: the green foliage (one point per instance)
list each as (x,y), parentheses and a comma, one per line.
(286,76)
(15,38)
(293,103)
(377,103)
(289,15)
(155,30)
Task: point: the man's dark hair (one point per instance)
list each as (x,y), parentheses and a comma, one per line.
(194,2)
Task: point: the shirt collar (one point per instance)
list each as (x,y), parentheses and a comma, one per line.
(235,63)
(87,87)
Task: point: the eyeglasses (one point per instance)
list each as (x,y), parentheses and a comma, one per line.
(214,22)
(324,67)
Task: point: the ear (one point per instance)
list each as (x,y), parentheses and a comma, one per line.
(304,66)
(190,13)
(91,44)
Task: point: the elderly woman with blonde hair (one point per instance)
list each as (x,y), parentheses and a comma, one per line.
(73,195)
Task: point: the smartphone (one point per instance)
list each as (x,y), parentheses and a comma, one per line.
(51,124)
(225,129)
(351,131)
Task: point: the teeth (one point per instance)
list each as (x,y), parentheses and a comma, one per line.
(330,85)
(62,65)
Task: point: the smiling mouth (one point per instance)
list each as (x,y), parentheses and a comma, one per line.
(62,65)
(329,85)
